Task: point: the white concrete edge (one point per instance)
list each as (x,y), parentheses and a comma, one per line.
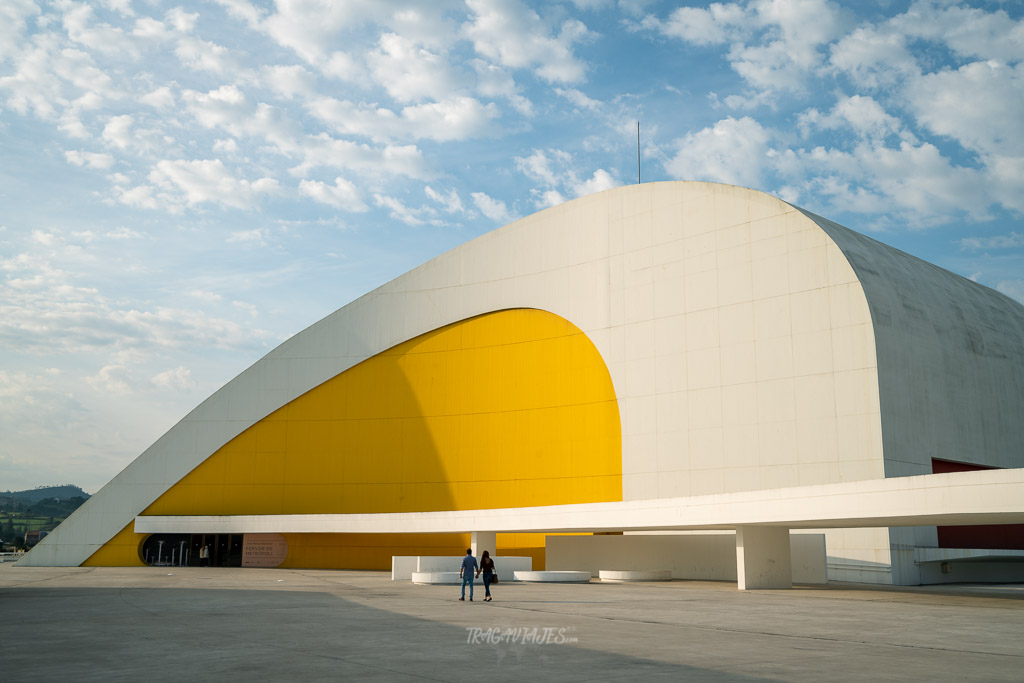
(965,554)
(983,497)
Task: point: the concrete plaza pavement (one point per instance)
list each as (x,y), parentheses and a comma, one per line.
(174,624)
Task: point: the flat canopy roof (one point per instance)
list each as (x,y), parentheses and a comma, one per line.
(961,498)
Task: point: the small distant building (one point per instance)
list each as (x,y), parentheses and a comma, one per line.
(33,537)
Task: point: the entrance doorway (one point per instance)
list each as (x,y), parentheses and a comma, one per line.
(183,550)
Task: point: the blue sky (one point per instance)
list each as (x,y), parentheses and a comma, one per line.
(185,185)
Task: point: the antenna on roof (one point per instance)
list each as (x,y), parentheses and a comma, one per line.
(637,152)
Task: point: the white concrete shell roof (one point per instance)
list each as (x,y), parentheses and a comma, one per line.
(950,358)
(751,345)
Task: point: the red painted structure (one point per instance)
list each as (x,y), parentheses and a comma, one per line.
(981,536)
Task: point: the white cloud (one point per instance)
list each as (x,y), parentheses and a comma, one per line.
(143,197)
(1014,240)
(323,151)
(912,182)
(451,201)
(945,103)
(77,21)
(342,195)
(861,114)
(1012,288)
(243,10)
(229,109)
(257,237)
(409,72)
(456,118)
(1004,174)
(558,174)
(160,98)
(345,67)
(513,35)
(50,81)
(35,87)
(120,6)
(315,28)
(969,31)
(122,133)
(774,44)
(427,23)
(118,131)
(733,151)
(493,81)
(72,126)
(600,181)
(37,406)
(202,55)
(207,180)
(14,16)
(579,99)
(182,21)
(311,27)
(111,379)
(538,165)
(548,198)
(873,57)
(719,23)
(494,209)
(176,379)
(226,107)
(90,159)
(150,30)
(289,81)
(204,295)
(252,310)
(47,239)
(348,118)
(123,233)
(229,145)
(398,210)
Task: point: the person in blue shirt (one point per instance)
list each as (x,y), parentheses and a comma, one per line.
(466,573)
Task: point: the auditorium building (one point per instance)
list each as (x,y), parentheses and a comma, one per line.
(651,361)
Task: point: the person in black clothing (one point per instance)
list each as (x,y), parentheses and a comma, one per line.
(487,567)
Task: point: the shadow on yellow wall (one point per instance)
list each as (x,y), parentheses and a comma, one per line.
(508,409)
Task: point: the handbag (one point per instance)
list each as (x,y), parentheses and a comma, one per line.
(494,577)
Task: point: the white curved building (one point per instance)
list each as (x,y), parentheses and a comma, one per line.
(663,341)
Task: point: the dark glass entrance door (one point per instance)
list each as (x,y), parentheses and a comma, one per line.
(186,550)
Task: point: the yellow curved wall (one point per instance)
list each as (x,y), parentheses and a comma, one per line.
(509,409)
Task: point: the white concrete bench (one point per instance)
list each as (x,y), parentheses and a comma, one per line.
(624,576)
(552,577)
(446,578)
(431,578)
(403,566)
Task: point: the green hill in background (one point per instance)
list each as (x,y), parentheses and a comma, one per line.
(38,509)
(40,492)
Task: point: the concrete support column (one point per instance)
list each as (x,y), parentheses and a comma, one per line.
(484,540)
(762,557)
